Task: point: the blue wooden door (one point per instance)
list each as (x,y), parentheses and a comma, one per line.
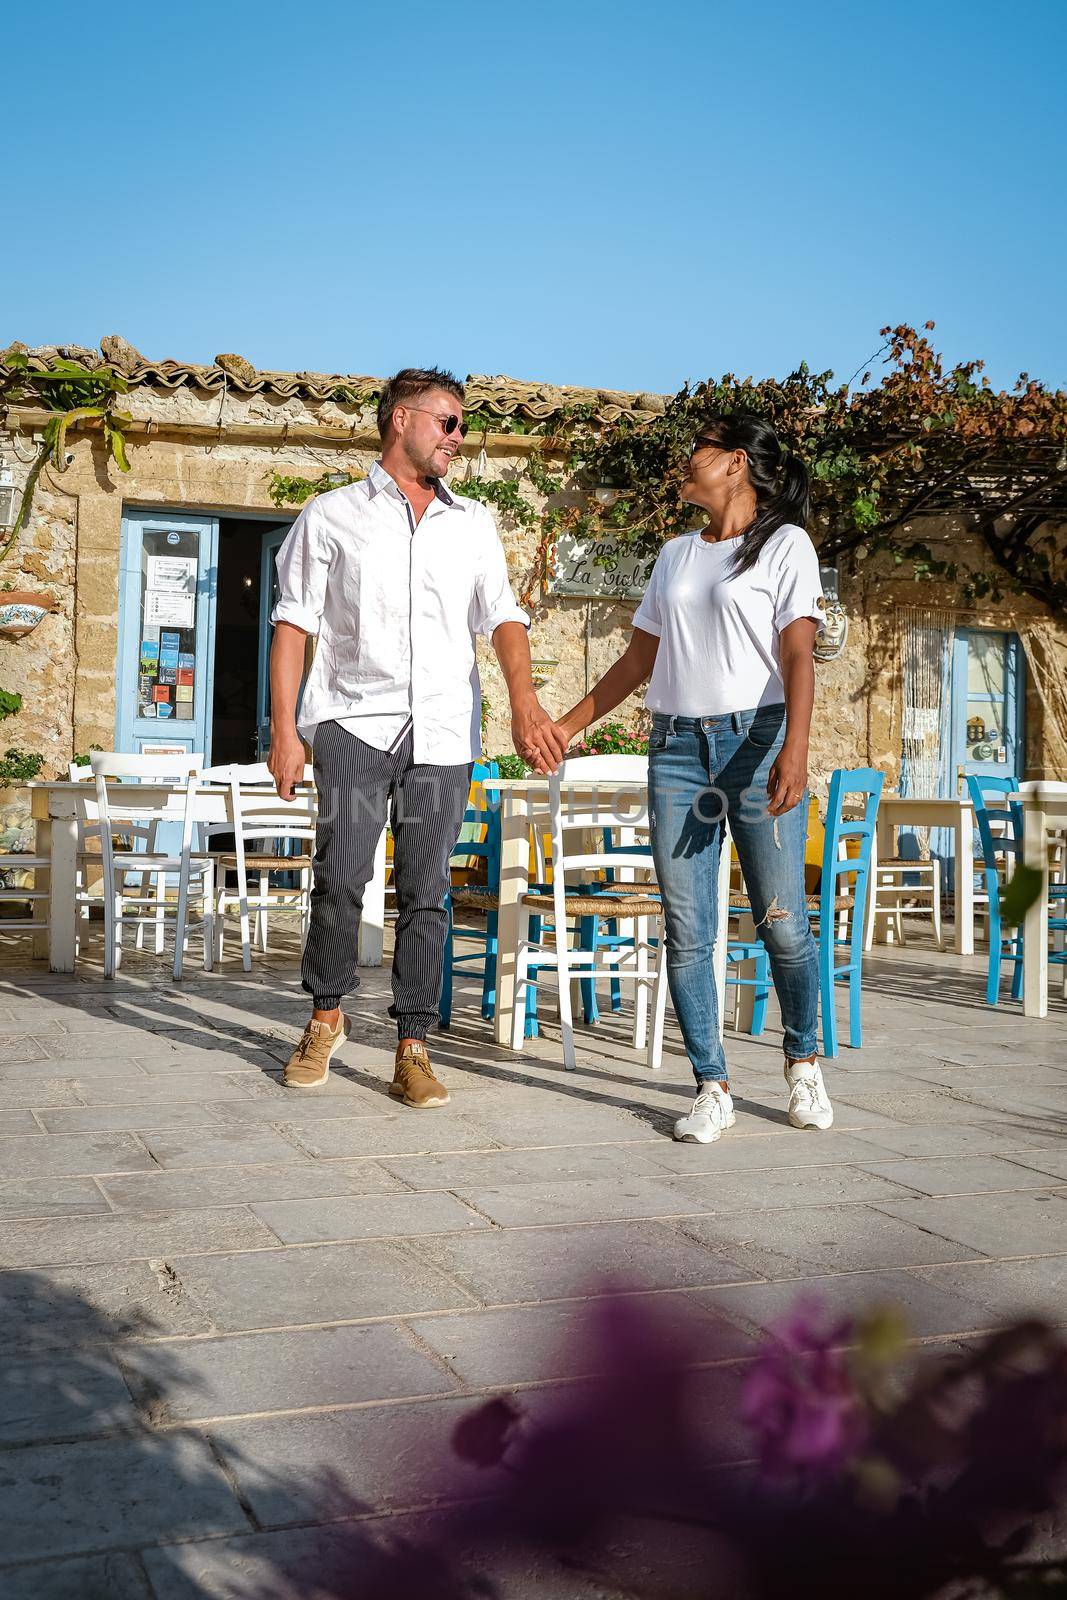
(988,703)
(268,594)
(168,587)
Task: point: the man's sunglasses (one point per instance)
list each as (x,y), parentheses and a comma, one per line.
(449,423)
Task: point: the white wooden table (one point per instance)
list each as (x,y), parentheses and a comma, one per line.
(1044,806)
(524,802)
(913,811)
(54,809)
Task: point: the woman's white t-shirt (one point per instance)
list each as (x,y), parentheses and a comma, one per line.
(719,629)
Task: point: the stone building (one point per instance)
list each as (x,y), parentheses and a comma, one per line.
(161,578)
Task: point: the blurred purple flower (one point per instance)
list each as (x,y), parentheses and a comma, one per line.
(800,1399)
(483,1436)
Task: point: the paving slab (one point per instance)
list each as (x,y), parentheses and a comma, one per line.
(367,1217)
(72,1155)
(1003,1291)
(536,1343)
(131,1237)
(930,1306)
(143,1090)
(347,1463)
(50,1197)
(418,1133)
(793,1244)
(19,1122)
(316,1283)
(24,1090)
(64,1499)
(977,1137)
(62,1396)
(56,1309)
(267,1372)
(554,1164)
(140,1118)
(115,1576)
(220,1147)
(216,1186)
(962,1174)
(18,1048)
(523,1264)
(993,1224)
(319,1563)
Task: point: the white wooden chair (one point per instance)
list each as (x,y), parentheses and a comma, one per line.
(262,824)
(890,895)
(617,797)
(116,809)
(87,896)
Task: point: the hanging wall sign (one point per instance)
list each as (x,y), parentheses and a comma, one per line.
(576,569)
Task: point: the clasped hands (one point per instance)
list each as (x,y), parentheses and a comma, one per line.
(540,742)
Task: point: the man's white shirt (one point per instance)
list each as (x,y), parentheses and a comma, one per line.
(396,607)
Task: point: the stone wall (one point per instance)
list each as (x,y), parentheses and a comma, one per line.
(191,459)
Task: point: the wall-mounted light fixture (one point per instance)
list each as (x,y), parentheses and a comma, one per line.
(8,496)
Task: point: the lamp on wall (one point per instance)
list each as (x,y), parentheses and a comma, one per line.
(832,636)
(8,496)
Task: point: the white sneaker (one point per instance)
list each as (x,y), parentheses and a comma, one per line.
(809,1103)
(712,1114)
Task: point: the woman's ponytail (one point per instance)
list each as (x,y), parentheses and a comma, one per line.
(779,478)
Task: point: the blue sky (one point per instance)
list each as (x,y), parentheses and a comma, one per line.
(615,194)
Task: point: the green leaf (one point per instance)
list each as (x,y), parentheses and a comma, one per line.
(1026,885)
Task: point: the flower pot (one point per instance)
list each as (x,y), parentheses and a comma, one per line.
(21,611)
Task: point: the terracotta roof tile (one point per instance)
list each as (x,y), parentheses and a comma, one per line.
(500,396)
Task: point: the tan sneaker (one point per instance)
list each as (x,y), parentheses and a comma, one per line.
(413,1078)
(309,1065)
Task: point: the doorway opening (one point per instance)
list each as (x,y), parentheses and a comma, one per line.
(246,550)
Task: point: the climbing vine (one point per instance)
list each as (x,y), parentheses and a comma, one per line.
(922,440)
(74,394)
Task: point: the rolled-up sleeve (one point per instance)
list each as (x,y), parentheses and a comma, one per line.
(494,601)
(799,582)
(303,565)
(648,617)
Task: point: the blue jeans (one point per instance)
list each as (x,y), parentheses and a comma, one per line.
(701,768)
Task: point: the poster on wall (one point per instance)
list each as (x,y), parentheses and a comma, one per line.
(172,574)
(163,607)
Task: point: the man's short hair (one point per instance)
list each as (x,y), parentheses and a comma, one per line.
(408,384)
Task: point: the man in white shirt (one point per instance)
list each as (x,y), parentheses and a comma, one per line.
(396,575)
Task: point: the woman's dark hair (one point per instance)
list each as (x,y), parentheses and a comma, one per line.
(779,478)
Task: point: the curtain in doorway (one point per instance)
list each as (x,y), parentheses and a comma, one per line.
(926,639)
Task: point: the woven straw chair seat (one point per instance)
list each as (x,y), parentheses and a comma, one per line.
(913,863)
(268,863)
(621,902)
(475,895)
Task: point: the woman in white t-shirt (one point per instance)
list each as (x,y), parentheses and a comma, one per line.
(726,629)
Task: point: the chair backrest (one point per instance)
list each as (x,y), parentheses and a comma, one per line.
(257,811)
(611,805)
(982,787)
(118,777)
(479,837)
(865,784)
(250,773)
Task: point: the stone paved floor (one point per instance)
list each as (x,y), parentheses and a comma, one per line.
(236,1320)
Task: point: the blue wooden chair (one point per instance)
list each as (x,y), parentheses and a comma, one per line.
(834,898)
(738,953)
(481,822)
(1007,845)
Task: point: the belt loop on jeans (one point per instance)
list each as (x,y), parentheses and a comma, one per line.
(672,725)
(738,725)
